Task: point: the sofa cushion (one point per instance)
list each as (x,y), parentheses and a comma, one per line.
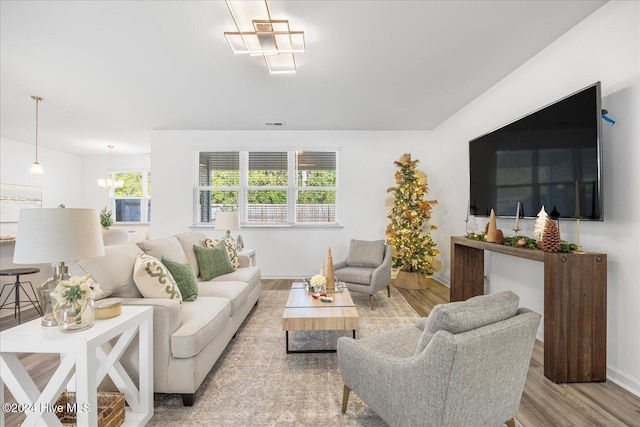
(113,271)
(236,292)
(359,275)
(153,279)
(462,316)
(185,278)
(213,262)
(365,253)
(187,240)
(169,247)
(201,319)
(231,249)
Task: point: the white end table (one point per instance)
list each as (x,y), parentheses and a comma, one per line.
(82,355)
(251,254)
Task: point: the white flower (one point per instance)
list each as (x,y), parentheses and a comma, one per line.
(76,288)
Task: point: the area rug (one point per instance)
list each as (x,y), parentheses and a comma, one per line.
(255,383)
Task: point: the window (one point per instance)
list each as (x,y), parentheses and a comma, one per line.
(267,187)
(132,202)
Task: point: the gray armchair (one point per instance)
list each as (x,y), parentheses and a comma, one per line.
(465,364)
(367,268)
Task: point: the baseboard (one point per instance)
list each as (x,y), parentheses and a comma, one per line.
(442,279)
(630,384)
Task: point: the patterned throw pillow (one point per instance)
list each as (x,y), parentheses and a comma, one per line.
(153,279)
(231,250)
(213,262)
(185,278)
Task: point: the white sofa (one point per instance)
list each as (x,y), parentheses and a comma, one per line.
(188,338)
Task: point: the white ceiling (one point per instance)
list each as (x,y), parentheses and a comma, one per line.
(112,71)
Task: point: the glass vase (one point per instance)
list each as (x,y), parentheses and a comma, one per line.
(74,316)
(320,288)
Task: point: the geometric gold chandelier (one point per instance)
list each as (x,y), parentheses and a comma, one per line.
(259,35)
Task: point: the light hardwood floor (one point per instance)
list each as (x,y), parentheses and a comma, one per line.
(543,404)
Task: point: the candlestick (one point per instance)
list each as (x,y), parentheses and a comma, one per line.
(577,199)
(517,216)
(579,250)
(516,229)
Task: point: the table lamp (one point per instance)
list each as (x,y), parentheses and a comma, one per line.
(51,235)
(227,221)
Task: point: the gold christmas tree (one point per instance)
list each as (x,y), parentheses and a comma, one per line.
(331,282)
(551,237)
(491,228)
(409,213)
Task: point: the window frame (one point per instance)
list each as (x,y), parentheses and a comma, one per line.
(292,188)
(145,199)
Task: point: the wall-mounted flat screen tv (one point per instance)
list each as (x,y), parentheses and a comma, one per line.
(551,158)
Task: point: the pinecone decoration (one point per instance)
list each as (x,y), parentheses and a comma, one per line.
(499,237)
(551,237)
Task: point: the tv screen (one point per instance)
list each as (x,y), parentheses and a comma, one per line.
(550,158)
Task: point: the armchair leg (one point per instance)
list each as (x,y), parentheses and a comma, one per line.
(345,398)
(371,301)
(389,291)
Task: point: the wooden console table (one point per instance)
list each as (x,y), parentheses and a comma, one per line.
(575,304)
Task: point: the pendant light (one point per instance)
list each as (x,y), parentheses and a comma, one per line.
(36,167)
(109,183)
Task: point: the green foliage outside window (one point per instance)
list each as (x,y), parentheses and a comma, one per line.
(268,178)
(132,184)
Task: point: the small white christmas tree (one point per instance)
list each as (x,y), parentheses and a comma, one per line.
(541,222)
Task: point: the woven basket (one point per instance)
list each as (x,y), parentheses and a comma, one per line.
(110,409)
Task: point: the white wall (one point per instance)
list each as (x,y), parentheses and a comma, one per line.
(604,47)
(97,167)
(60,183)
(366,170)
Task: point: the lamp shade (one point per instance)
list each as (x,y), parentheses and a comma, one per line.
(50,235)
(227,221)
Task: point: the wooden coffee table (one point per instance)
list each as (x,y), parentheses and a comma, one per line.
(304,313)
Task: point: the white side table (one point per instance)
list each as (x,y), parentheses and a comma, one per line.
(80,354)
(251,254)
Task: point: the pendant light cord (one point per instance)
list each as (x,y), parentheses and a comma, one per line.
(37,99)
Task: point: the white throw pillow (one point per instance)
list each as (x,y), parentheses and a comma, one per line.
(231,250)
(153,279)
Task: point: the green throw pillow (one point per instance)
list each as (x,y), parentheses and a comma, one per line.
(213,262)
(185,278)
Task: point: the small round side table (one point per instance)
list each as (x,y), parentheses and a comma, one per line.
(15,289)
